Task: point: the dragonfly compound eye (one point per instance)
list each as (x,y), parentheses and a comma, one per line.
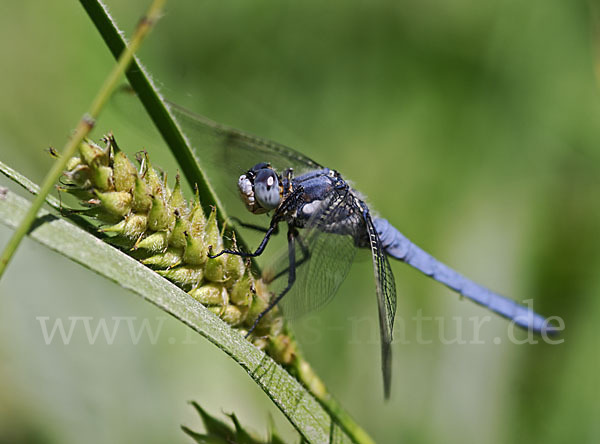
(266,189)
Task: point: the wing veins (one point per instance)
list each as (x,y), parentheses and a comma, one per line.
(304,297)
(386,301)
(240,137)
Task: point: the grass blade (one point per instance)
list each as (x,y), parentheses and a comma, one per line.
(83,128)
(306,414)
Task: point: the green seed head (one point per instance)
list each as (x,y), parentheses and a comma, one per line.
(242,291)
(211,294)
(215,269)
(196,251)
(132,227)
(73,163)
(124,173)
(135,225)
(92,154)
(197,218)
(153,181)
(117,203)
(174,239)
(160,218)
(156,242)
(185,276)
(233,315)
(234,264)
(168,259)
(283,349)
(177,201)
(182,225)
(212,235)
(102,178)
(142,202)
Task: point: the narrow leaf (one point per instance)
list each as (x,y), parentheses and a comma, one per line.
(306,414)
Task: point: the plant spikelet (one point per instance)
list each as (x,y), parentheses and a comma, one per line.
(159,227)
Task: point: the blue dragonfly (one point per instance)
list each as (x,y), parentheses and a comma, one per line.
(327,222)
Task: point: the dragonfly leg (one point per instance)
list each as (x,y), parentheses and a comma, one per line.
(252,226)
(305,257)
(272,229)
(290,202)
(292,233)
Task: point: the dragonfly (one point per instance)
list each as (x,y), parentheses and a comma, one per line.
(327,223)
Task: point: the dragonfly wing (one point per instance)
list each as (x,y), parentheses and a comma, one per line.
(243,145)
(386,301)
(222,152)
(225,153)
(324,264)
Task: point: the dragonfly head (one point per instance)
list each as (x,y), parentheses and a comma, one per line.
(260,188)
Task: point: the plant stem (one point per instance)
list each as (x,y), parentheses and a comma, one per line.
(83,128)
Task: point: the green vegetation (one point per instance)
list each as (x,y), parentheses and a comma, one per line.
(474,127)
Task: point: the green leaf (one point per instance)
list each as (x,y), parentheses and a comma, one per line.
(213,425)
(307,415)
(218,431)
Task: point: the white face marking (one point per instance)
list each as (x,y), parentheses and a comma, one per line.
(246,191)
(270,182)
(244,185)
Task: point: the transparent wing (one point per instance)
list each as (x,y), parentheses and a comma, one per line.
(246,147)
(223,152)
(386,301)
(325,261)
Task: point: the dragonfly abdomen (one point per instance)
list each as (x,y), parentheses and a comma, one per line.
(400,247)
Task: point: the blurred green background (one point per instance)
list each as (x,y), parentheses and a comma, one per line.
(473,126)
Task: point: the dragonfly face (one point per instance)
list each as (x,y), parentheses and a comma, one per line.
(260,188)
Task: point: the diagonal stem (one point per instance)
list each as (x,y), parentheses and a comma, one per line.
(83,128)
